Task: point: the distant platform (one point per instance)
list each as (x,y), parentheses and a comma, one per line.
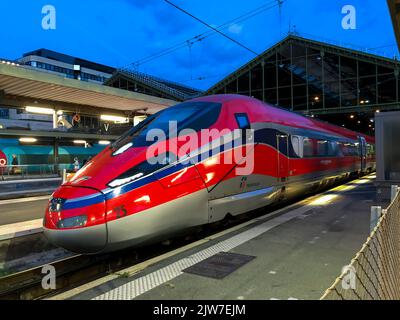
(21,188)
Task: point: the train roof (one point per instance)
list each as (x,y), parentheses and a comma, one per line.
(286,117)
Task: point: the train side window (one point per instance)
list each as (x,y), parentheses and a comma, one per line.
(308,150)
(242,121)
(322,148)
(333,149)
(297,146)
(340,149)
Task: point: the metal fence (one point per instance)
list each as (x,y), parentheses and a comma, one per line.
(374,273)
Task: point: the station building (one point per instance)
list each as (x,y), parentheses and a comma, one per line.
(334,83)
(48,118)
(66,65)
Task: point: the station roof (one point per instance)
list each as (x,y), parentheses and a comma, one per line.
(316,69)
(394,8)
(133,80)
(28,83)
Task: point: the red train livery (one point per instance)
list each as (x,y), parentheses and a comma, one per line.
(120,199)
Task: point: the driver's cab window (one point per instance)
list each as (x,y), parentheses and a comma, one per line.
(242,121)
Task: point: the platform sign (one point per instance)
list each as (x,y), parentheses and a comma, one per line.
(3,159)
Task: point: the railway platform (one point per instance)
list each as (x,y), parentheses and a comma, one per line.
(293,253)
(28,187)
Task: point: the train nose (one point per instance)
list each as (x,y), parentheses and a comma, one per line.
(75,220)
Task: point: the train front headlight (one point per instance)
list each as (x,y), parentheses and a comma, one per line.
(73,222)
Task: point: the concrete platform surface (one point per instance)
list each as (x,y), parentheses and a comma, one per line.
(21,210)
(299,251)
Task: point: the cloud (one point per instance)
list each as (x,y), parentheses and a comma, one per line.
(235,28)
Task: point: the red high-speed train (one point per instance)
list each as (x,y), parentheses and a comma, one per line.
(120,199)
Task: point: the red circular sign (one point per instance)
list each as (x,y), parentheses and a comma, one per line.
(3,159)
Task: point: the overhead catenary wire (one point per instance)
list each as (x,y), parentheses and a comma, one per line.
(212,28)
(198,38)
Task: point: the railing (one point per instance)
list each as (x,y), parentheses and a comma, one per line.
(11,172)
(144,78)
(374,273)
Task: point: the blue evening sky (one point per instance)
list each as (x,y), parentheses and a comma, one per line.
(119,32)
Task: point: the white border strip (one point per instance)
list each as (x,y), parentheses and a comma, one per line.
(12,201)
(20,229)
(33,180)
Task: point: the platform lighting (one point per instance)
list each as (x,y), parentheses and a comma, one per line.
(362,102)
(358,121)
(39,110)
(377,111)
(316,98)
(323,200)
(116,119)
(79,141)
(104,142)
(370,126)
(138,119)
(371,120)
(28,140)
(352,116)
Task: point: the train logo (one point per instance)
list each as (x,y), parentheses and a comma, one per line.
(3,159)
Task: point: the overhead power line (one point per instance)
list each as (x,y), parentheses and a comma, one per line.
(212,28)
(198,38)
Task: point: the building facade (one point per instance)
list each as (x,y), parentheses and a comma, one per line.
(67,66)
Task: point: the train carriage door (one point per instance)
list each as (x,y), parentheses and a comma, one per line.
(282,146)
(363,153)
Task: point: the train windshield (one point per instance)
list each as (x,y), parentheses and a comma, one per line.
(187,115)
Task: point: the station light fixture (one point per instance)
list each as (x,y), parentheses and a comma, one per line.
(80,142)
(116,119)
(39,110)
(352,116)
(104,142)
(138,119)
(316,98)
(28,140)
(377,111)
